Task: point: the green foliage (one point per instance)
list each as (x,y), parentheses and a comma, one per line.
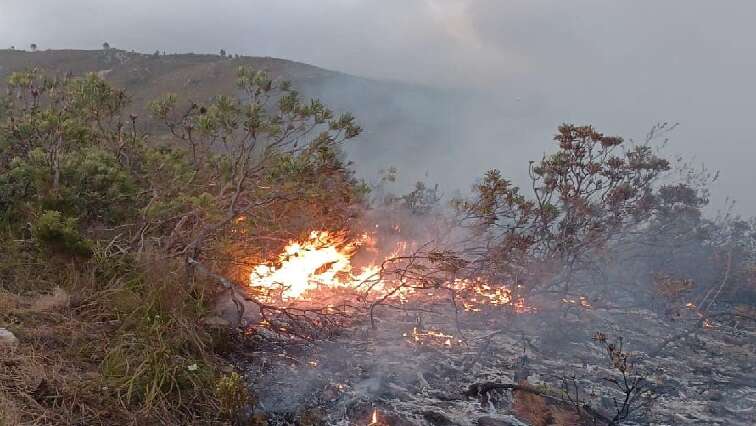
(159,352)
(422,199)
(85,192)
(57,148)
(267,147)
(94,98)
(162,106)
(230,391)
(98,185)
(61,233)
(21,79)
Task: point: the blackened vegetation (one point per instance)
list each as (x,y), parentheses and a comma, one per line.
(610,236)
(636,390)
(633,396)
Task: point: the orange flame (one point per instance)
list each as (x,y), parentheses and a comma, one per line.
(430,337)
(324,260)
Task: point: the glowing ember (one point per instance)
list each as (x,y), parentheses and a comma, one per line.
(580,301)
(478,294)
(422,337)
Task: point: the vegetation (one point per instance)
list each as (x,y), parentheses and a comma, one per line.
(606,211)
(112,240)
(101,227)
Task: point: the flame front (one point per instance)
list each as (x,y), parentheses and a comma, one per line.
(324,260)
(316,268)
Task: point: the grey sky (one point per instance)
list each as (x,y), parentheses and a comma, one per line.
(621,65)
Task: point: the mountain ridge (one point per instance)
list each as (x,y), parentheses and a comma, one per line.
(400,119)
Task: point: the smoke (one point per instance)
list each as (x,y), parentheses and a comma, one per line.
(496,77)
(450,89)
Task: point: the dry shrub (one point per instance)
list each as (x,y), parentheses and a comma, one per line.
(258,419)
(8,301)
(313,417)
(9,412)
(531,408)
(58,299)
(671,288)
(43,387)
(161,360)
(230,390)
(673,293)
(565,417)
(129,349)
(535,410)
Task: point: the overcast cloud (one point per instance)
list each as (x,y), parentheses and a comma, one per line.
(621,65)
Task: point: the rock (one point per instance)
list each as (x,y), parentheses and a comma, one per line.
(226,309)
(7,339)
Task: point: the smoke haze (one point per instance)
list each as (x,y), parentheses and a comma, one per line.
(506,72)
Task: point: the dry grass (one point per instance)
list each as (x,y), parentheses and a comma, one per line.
(535,410)
(108,342)
(531,408)
(57,300)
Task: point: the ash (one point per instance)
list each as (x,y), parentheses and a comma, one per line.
(407,371)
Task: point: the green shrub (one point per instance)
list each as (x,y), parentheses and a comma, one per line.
(231,392)
(61,234)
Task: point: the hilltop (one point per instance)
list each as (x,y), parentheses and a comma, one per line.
(142,75)
(399,119)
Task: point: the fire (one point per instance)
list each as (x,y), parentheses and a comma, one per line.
(374,418)
(422,337)
(322,268)
(580,301)
(324,260)
(479,293)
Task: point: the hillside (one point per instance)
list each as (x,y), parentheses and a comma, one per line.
(239,276)
(143,76)
(399,119)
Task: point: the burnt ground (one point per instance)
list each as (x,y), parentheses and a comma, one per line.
(700,374)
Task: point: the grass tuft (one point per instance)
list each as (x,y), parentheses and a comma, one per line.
(109,340)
